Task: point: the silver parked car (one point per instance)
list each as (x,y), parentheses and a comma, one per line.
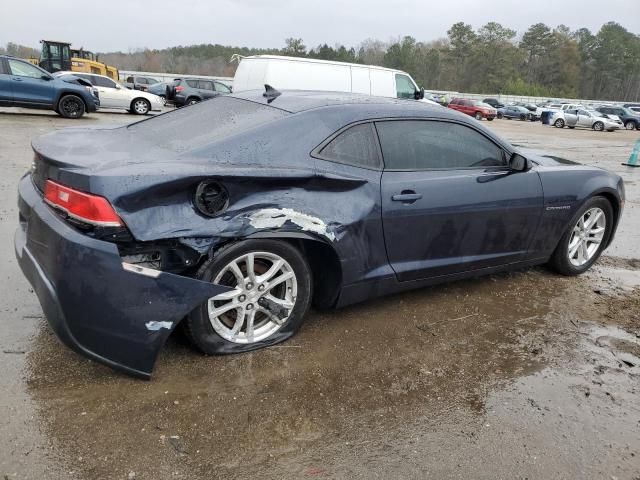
(582,117)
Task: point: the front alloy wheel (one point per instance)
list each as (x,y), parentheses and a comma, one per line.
(586,236)
(71,106)
(270,284)
(478,116)
(141,106)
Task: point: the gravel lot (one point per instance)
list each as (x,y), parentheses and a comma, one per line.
(521,375)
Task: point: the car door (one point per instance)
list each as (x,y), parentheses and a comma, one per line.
(31,86)
(450,203)
(571,118)
(6,95)
(112,95)
(584,119)
(206,88)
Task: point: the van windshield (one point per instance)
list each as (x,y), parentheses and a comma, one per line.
(204,123)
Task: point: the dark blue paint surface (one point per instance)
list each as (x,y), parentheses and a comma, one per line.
(454,224)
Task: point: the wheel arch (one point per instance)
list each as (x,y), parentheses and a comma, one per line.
(65,92)
(324,263)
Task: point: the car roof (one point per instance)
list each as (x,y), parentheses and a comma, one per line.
(295,101)
(68,72)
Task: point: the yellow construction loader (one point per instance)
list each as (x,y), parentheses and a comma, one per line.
(56,56)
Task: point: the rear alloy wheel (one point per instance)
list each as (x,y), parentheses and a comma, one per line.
(271,292)
(598,126)
(71,106)
(478,116)
(140,106)
(559,123)
(192,101)
(630,125)
(523,117)
(585,239)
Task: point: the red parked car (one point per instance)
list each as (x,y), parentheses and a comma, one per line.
(475,108)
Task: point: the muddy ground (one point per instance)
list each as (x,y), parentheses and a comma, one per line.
(522,375)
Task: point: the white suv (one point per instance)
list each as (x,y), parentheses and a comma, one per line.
(116,95)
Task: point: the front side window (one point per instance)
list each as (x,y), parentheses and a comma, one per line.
(103,82)
(405,87)
(206,85)
(221,87)
(192,83)
(355,146)
(22,69)
(129,80)
(426,145)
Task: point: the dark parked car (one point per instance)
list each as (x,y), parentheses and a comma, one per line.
(138,82)
(515,111)
(632,106)
(23,84)
(629,118)
(232,216)
(188,91)
(493,102)
(159,89)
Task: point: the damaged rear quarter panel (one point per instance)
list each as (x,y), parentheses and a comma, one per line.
(274,185)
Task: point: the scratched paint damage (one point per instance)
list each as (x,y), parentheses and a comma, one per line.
(277,217)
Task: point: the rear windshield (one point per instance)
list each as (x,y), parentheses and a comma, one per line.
(204,123)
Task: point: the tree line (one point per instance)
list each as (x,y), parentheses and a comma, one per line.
(543,61)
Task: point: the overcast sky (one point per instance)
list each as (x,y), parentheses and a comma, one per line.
(123,25)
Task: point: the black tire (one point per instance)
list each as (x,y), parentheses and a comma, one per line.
(170,92)
(478,116)
(197,325)
(192,101)
(489,119)
(631,125)
(71,106)
(140,106)
(598,126)
(500,116)
(559,260)
(523,117)
(571,127)
(559,123)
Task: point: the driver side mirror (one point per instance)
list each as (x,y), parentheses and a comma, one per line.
(46,77)
(419,95)
(518,163)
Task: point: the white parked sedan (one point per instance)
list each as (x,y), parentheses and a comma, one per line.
(581,117)
(115,95)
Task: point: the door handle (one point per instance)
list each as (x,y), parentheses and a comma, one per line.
(406,196)
(17,79)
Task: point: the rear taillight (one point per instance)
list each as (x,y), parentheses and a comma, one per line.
(85,207)
(179,88)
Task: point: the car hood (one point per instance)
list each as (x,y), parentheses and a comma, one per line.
(546,159)
(74,80)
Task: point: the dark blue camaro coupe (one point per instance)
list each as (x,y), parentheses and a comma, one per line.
(233,216)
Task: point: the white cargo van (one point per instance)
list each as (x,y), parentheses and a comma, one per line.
(293,73)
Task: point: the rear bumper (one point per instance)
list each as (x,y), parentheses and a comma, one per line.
(118,317)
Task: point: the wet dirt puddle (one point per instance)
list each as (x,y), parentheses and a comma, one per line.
(440,381)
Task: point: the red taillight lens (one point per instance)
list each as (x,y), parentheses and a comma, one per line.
(82,206)
(179,88)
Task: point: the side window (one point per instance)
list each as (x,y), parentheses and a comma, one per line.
(104,82)
(425,145)
(129,80)
(583,112)
(404,87)
(23,69)
(205,85)
(192,83)
(356,146)
(221,87)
